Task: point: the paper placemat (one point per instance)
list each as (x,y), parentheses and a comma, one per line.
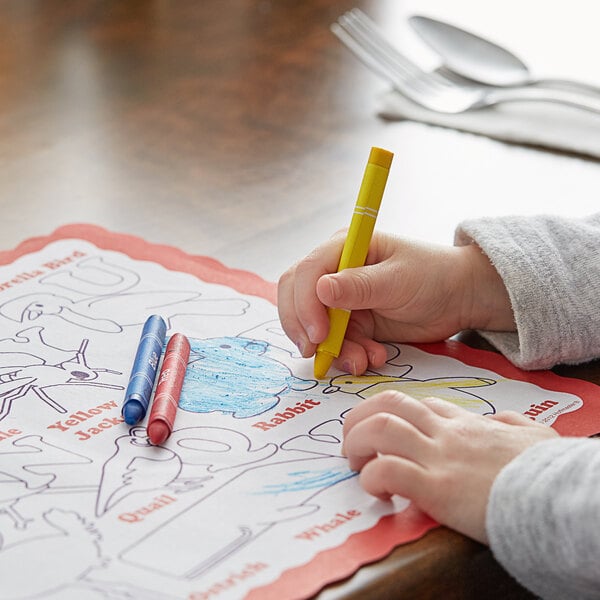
(250,495)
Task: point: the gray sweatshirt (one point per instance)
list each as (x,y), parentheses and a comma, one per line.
(543,515)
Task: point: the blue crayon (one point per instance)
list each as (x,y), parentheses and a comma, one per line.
(143,373)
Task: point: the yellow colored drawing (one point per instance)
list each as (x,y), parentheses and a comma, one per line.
(451,389)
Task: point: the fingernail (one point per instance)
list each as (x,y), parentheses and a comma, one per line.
(301,345)
(334,286)
(349,367)
(310,330)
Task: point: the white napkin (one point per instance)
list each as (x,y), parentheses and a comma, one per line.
(530,123)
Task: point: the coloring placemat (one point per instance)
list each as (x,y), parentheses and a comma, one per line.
(250,496)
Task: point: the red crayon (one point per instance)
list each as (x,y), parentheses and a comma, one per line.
(168,388)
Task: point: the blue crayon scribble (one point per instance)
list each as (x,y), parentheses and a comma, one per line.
(309,480)
(234,375)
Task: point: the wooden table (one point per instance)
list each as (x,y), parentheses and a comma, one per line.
(239,129)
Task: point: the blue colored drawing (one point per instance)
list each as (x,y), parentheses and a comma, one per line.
(235,375)
(309,480)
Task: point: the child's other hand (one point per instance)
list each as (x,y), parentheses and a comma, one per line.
(407,292)
(440,456)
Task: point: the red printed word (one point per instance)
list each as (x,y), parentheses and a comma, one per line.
(54,264)
(288,413)
(20,278)
(538,409)
(75,419)
(4,435)
(27,275)
(318,530)
(101,426)
(138,515)
(214,590)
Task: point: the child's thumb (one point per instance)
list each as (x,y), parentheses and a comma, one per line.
(351,289)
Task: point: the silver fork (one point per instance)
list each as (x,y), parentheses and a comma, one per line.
(432,89)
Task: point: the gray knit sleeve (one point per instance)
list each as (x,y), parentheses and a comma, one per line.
(551,268)
(543,518)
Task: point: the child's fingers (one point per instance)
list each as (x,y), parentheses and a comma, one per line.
(443,408)
(302,313)
(512,418)
(286,305)
(358,353)
(387,475)
(396,403)
(353,358)
(384,433)
(360,330)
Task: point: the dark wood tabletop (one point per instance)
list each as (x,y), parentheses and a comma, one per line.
(239,129)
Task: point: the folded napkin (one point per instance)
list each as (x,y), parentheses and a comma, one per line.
(531,123)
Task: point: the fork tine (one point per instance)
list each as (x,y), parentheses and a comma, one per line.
(368,43)
(379,57)
(368,52)
(362,54)
(363,38)
(379,40)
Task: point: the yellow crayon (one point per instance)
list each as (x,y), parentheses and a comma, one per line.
(355,250)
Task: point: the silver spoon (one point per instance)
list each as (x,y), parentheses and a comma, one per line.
(474,58)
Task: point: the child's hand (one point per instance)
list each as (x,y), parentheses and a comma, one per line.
(440,456)
(408,292)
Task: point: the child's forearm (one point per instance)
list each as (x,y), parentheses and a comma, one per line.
(491,309)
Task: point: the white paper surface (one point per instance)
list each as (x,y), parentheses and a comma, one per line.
(251,481)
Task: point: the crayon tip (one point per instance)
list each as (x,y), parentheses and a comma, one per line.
(133,412)
(323,361)
(158,432)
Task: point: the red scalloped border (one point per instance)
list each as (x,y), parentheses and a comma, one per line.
(409,525)
(338,563)
(203,267)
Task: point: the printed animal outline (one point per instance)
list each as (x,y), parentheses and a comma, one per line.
(61,559)
(291,483)
(451,388)
(237,375)
(186,464)
(224,456)
(93,276)
(17,381)
(32,468)
(328,432)
(91,305)
(13,348)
